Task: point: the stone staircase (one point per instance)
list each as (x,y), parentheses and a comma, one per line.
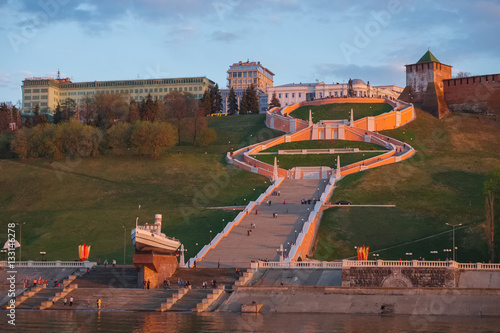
(245,278)
(40,298)
(110,277)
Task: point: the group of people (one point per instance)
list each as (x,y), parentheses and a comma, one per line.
(308,201)
(36,282)
(146,284)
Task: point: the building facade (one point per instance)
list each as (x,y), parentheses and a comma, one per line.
(241,75)
(47,92)
(290,94)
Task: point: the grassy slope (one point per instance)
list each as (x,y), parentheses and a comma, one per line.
(325,144)
(434,187)
(68,202)
(338,111)
(330,160)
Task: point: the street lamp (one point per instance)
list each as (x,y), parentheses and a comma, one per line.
(210,236)
(4,251)
(124,243)
(409,254)
(42,254)
(453,226)
(375,256)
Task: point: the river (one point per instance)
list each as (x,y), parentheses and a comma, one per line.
(152,322)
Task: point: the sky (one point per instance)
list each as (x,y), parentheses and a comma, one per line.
(298,40)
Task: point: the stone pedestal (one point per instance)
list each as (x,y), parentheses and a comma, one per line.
(155,268)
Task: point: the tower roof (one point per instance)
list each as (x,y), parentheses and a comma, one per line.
(428,57)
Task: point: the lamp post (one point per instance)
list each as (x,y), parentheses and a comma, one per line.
(4,251)
(453,226)
(42,254)
(124,243)
(409,254)
(210,236)
(375,256)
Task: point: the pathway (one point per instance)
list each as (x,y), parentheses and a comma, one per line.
(238,249)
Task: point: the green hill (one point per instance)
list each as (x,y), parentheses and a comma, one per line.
(441,184)
(64,203)
(339,111)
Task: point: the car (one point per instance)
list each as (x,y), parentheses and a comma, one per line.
(343,202)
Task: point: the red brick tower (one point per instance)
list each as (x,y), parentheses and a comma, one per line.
(424,84)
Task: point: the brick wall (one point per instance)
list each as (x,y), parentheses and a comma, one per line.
(476,94)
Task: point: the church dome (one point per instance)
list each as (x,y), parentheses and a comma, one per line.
(358,81)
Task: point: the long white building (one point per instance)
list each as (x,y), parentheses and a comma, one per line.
(289,94)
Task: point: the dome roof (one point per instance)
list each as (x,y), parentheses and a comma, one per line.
(358,81)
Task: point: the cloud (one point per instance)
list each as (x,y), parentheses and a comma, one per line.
(224,36)
(181,35)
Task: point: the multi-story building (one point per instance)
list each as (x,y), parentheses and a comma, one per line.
(292,93)
(241,75)
(47,92)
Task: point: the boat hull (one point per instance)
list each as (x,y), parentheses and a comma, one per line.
(146,241)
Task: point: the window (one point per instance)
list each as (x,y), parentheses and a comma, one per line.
(156,89)
(239,74)
(195,88)
(190,88)
(27,98)
(136,91)
(161,89)
(293,95)
(27,91)
(239,81)
(250,74)
(255,81)
(35,91)
(244,74)
(140,91)
(279,95)
(300,95)
(27,105)
(36,98)
(44,97)
(43,104)
(44,90)
(121,91)
(286,95)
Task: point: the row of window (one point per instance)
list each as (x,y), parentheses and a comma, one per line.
(131,91)
(36,98)
(130,83)
(28,105)
(235,82)
(36,91)
(242,74)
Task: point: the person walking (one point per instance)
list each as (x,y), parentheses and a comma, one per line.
(71,301)
(218,263)
(98,303)
(65,301)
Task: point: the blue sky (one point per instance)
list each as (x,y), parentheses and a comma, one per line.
(299,40)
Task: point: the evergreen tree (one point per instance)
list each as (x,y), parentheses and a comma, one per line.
(275,102)
(58,115)
(253,99)
(69,106)
(147,109)
(205,103)
(36,117)
(216,99)
(244,103)
(232,107)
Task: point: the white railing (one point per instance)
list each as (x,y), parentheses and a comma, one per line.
(375,263)
(49,264)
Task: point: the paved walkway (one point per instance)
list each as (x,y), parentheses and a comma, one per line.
(238,249)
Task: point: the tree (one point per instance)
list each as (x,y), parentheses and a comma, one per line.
(490,187)
(37,118)
(152,137)
(216,99)
(275,102)
(232,102)
(69,106)
(462,74)
(58,115)
(133,112)
(16,117)
(205,103)
(21,143)
(118,136)
(147,110)
(88,109)
(5,117)
(253,99)
(244,106)
(197,124)
(179,106)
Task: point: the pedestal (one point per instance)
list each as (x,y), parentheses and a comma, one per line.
(155,268)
